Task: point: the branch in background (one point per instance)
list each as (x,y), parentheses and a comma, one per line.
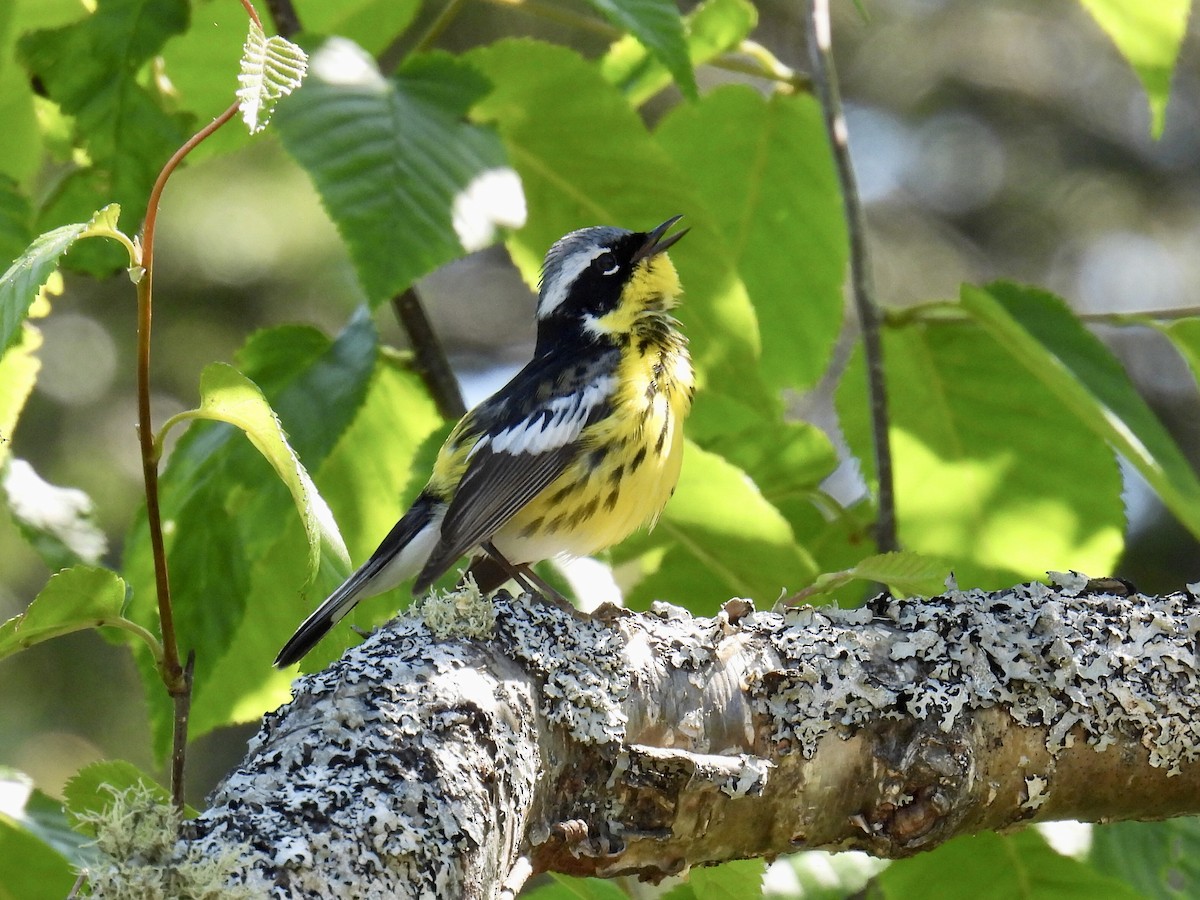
(283,14)
(824,77)
(644,743)
(429,357)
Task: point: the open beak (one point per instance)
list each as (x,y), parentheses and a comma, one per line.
(655,243)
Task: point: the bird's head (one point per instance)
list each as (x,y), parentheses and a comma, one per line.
(598,282)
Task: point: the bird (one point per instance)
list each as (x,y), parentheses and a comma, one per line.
(578,450)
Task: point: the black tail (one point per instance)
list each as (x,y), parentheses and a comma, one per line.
(398,558)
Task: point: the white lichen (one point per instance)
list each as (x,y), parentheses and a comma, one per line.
(462,612)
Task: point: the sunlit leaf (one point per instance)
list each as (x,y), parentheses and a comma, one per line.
(40,815)
(993,865)
(729,881)
(271,68)
(904,574)
(19,367)
(74,599)
(763,167)
(394,157)
(1149,36)
(992,471)
(710,29)
(93,69)
(229,396)
(1052,345)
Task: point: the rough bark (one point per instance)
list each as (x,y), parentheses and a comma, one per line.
(420,765)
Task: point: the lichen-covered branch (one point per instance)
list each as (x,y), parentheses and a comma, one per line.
(428,764)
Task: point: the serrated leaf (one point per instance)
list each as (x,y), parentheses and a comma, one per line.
(90,790)
(271,68)
(905,574)
(989,866)
(20,284)
(223,505)
(394,157)
(712,28)
(566,887)
(1045,338)
(369,478)
(93,69)
(763,167)
(992,471)
(229,396)
(729,881)
(72,600)
(1149,36)
(19,367)
(29,272)
(60,523)
(585,158)
(1159,859)
(658,26)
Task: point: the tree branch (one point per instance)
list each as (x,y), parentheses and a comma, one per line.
(429,357)
(645,743)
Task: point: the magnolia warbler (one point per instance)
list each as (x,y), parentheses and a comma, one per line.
(577,451)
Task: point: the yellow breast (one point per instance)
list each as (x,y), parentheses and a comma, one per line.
(630,461)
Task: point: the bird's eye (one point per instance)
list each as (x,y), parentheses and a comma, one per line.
(606,264)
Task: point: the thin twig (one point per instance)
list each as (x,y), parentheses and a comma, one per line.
(177,682)
(448,14)
(429,356)
(183,707)
(824,78)
(283,14)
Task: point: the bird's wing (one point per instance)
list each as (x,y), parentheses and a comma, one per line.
(531,433)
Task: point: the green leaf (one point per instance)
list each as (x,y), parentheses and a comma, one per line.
(19,367)
(74,599)
(585,158)
(992,471)
(16,217)
(1185,335)
(993,867)
(271,68)
(1045,338)
(226,395)
(565,887)
(712,28)
(369,479)
(394,157)
(659,27)
(225,510)
(93,69)
(729,881)
(729,541)
(41,816)
(372,24)
(905,574)
(24,279)
(90,790)
(30,869)
(1159,859)
(1149,36)
(763,167)
(59,523)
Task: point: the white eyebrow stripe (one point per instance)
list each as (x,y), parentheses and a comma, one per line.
(563,276)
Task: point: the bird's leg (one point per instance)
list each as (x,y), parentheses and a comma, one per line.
(525,576)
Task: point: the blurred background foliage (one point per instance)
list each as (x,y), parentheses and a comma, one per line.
(1002,140)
